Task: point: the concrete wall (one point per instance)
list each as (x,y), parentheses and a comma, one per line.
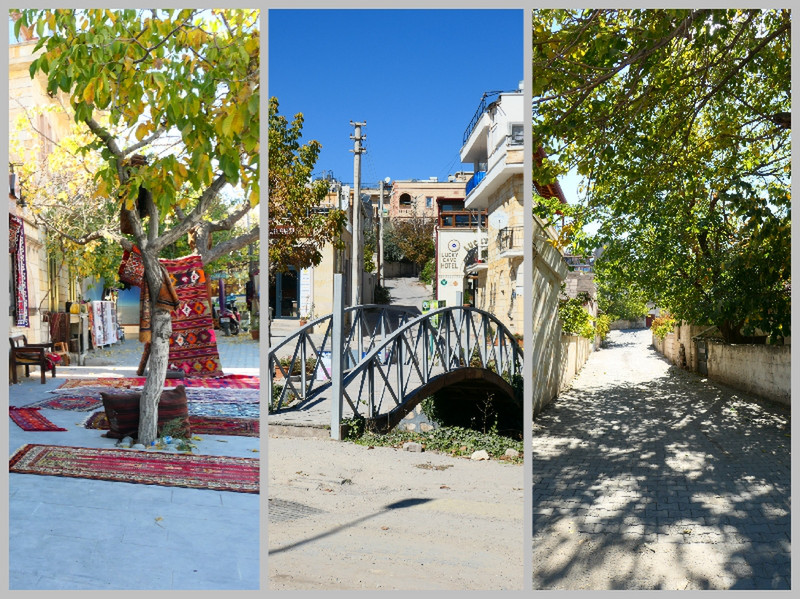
(763,370)
(618,325)
(678,346)
(575,351)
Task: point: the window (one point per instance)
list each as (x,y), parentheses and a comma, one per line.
(516,134)
(405,200)
(429,202)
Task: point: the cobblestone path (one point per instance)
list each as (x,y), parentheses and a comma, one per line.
(649,477)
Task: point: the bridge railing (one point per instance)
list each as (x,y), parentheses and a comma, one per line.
(429,346)
(300,363)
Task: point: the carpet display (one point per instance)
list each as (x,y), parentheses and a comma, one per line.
(193,343)
(192,393)
(80,403)
(228,381)
(29,419)
(218,473)
(200,425)
(19,270)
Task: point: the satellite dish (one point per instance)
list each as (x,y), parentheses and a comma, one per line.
(499,220)
(387,180)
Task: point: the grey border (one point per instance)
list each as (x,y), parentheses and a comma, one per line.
(264,6)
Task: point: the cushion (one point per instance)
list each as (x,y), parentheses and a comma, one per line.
(122,411)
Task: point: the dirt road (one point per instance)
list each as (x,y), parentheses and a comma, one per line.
(343,516)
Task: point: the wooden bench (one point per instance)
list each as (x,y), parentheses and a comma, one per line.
(27,354)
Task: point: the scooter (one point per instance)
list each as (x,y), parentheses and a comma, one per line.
(229,318)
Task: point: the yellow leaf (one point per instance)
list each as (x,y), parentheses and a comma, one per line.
(254,198)
(141,131)
(88,92)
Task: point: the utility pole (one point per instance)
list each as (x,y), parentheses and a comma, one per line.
(380,238)
(357,262)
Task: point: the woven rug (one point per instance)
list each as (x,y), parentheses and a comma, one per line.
(200,425)
(29,419)
(193,343)
(77,403)
(228,381)
(192,394)
(219,473)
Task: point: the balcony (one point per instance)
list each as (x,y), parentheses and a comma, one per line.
(462,219)
(510,241)
(475,260)
(474,181)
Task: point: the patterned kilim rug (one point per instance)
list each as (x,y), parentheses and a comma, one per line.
(29,419)
(193,344)
(192,394)
(78,403)
(228,381)
(200,425)
(219,473)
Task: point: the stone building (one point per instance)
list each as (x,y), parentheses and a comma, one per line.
(48,285)
(494,144)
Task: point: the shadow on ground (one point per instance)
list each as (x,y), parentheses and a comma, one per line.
(673,482)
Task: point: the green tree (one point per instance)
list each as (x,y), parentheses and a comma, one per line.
(615,298)
(679,123)
(413,236)
(180,86)
(299,224)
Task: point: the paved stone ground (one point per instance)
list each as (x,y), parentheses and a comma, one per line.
(69,533)
(649,477)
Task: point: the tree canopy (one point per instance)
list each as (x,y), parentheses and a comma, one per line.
(171,98)
(678,122)
(181,87)
(299,226)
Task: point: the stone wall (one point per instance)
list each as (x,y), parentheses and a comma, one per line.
(618,325)
(678,347)
(763,370)
(575,351)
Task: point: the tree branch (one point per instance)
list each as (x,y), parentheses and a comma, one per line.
(227,247)
(147,140)
(183,227)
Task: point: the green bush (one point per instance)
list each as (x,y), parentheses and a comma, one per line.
(663,326)
(428,271)
(382,295)
(575,319)
(603,325)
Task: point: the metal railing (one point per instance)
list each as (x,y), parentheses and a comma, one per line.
(428,346)
(510,238)
(299,362)
(474,181)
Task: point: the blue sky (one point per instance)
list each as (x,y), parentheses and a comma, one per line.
(415,76)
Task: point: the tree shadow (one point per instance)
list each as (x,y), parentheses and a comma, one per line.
(652,485)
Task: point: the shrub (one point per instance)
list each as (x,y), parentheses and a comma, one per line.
(382,295)
(428,271)
(603,326)
(663,326)
(575,319)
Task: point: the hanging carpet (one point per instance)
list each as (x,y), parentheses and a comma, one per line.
(19,268)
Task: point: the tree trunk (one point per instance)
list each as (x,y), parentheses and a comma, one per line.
(161,326)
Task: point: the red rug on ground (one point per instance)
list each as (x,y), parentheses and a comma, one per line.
(78,403)
(228,381)
(29,419)
(193,343)
(200,425)
(219,473)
